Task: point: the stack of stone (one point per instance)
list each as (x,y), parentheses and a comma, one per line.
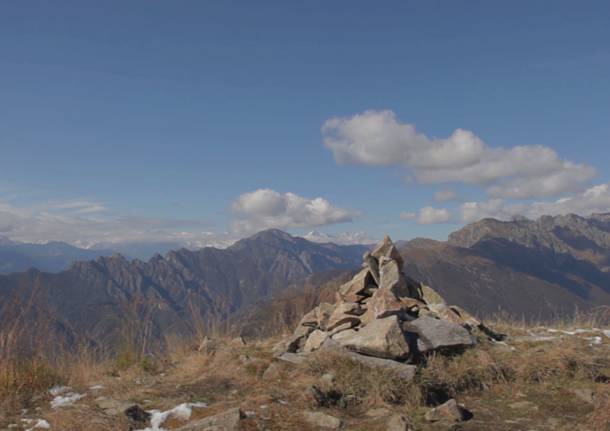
(384,314)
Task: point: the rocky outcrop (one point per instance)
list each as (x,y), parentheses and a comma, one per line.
(383,315)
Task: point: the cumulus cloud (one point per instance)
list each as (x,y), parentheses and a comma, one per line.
(593,200)
(430,215)
(378,138)
(266,208)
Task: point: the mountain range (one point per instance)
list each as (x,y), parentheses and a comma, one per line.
(540,269)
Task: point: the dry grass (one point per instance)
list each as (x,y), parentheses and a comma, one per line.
(231,374)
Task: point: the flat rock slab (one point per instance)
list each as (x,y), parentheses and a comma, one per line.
(450,411)
(437,334)
(401,370)
(322,420)
(225,421)
(381,338)
(293,358)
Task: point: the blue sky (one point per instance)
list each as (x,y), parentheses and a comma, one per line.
(152,120)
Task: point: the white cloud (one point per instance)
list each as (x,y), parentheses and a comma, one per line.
(445,195)
(265,208)
(378,138)
(85,223)
(594,200)
(343,238)
(430,215)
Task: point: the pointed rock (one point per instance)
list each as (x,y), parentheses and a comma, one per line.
(392,278)
(297,342)
(387,249)
(355,289)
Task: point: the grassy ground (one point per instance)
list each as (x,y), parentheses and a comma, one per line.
(560,383)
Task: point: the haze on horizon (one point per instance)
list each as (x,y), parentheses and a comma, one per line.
(202,122)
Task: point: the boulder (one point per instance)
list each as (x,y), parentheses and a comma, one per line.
(381,338)
(384,303)
(322,420)
(225,421)
(315,340)
(450,411)
(434,334)
(373,265)
(398,423)
(354,289)
(323,312)
(345,312)
(299,338)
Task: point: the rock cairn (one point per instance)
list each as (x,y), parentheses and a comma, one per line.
(382,313)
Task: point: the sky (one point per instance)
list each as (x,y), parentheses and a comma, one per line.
(204,121)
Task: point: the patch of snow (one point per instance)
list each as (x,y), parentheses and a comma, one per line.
(595,340)
(182,411)
(41,424)
(65,400)
(58,390)
(96,387)
(570,332)
(607,333)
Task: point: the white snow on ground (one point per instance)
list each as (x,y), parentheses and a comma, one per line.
(65,400)
(58,390)
(96,387)
(595,340)
(40,424)
(607,333)
(572,332)
(182,411)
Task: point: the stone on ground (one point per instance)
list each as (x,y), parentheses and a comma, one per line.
(225,421)
(447,412)
(381,337)
(434,334)
(322,420)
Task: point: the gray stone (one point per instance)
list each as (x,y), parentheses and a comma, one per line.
(272,372)
(112,407)
(293,358)
(354,289)
(447,412)
(373,265)
(345,312)
(322,420)
(434,334)
(226,421)
(398,423)
(384,303)
(315,340)
(393,279)
(381,337)
(297,342)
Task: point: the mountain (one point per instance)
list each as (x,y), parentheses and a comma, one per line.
(542,268)
(111,299)
(51,257)
(584,238)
